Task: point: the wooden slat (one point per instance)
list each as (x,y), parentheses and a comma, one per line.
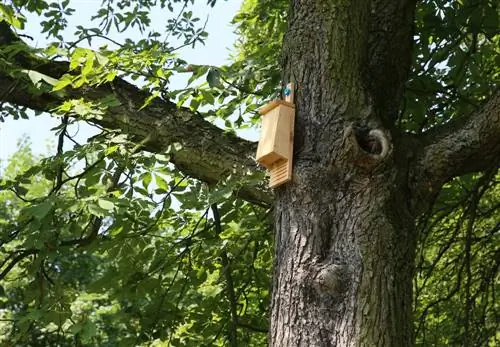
(272,104)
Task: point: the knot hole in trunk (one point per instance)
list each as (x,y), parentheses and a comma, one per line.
(367,147)
(373,141)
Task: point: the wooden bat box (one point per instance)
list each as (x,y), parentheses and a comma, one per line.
(275,148)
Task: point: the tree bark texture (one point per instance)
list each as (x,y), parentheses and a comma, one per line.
(344,228)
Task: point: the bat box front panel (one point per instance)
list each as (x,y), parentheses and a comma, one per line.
(275,138)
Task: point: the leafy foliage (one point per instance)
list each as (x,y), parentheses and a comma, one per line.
(104,244)
(458,265)
(125,251)
(456,62)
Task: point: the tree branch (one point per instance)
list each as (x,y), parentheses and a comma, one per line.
(467,145)
(20,256)
(207,153)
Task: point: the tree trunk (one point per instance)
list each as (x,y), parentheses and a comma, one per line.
(344,263)
(344,227)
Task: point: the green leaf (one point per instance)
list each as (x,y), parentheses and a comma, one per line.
(101,58)
(76,328)
(40,210)
(63,82)
(36,77)
(146,180)
(89,62)
(96,210)
(208,97)
(161,183)
(106,204)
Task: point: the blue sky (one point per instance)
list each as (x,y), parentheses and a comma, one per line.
(215,52)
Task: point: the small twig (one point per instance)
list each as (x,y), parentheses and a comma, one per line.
(253,328)
(176,21)
(60,152)
(16,260)
(73,44)
(193,40)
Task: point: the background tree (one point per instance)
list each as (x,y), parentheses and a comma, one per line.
(157,231)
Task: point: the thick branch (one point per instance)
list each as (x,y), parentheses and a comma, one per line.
(208,153)
(467,145)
